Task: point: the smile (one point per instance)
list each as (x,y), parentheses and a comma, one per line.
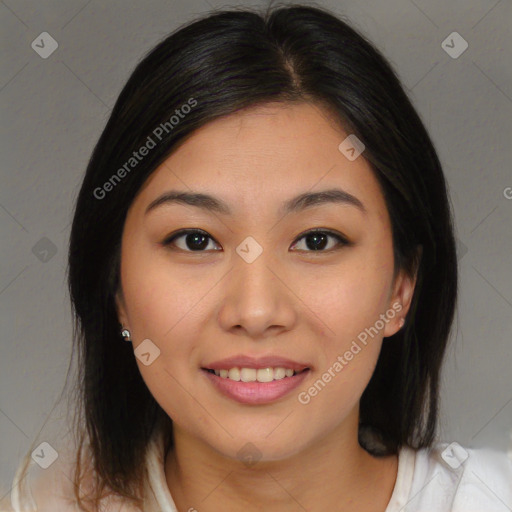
(255,386)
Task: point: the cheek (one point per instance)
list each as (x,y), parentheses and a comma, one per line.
(349,302)
(166,311)
(349,299)
(161,298)
(350,346)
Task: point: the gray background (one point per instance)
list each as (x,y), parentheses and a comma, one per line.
(54,109)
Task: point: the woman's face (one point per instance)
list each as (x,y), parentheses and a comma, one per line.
(252,285)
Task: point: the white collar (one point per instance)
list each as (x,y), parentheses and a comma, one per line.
(157,495)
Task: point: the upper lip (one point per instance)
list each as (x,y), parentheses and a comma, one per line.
(244,361)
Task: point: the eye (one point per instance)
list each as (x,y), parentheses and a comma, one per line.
(196,240)
(317,240)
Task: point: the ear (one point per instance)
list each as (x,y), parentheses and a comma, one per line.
(401,297)
(121,308)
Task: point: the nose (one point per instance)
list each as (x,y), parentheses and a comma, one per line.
(258,299)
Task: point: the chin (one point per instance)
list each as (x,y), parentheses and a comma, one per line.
(258,448)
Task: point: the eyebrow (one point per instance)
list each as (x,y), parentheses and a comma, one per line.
(294,205)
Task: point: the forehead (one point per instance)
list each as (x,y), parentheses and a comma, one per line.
(261,156)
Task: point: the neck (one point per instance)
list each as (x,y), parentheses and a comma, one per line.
(334,473)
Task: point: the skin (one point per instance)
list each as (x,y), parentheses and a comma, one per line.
(291,301)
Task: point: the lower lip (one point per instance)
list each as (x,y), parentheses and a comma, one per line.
(256,392)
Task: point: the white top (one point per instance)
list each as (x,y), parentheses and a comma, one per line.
(445,478)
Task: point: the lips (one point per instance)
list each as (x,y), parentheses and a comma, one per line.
(245,390)
(255,393)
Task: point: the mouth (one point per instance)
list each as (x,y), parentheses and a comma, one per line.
(255,386)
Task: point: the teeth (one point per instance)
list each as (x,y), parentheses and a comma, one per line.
(247,374)
(265,375)
(279,373)
(253,375)
(234,374)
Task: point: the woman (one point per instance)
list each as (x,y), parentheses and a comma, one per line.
(263,270)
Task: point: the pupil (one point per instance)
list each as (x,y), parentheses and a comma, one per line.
(195,237)
(316,236)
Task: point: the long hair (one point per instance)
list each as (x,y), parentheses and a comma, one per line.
(215,66)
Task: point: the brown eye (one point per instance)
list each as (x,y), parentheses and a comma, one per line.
(317,240)
(194,240)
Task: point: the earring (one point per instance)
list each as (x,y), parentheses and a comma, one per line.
(401,323)
(125,333)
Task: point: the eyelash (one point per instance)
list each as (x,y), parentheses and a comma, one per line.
(342,241)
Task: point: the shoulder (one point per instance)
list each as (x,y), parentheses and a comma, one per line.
(50,488)
(37,488)
(454,478)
